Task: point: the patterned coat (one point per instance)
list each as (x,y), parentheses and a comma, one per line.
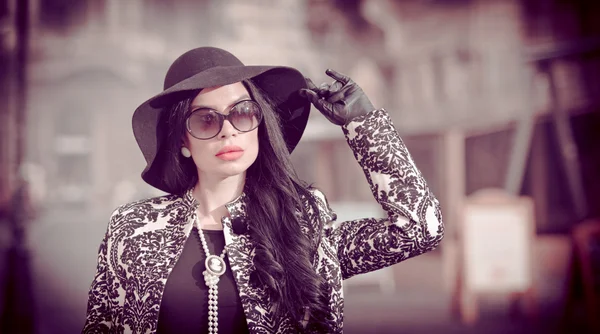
(144,240)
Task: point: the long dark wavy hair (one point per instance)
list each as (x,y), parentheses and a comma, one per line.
(277,207)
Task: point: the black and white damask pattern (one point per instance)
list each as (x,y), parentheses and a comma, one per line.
(144,240)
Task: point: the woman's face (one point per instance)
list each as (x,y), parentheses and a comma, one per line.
(231,151)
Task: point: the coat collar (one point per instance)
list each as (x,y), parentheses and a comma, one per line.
(236,207)
(236,222)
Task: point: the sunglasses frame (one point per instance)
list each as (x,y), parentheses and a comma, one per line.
(222,118)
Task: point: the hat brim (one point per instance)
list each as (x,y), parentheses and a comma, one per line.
(281,84)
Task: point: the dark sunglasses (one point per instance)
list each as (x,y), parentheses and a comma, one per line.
(205,123)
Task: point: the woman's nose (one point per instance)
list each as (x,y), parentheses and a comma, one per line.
(227,130)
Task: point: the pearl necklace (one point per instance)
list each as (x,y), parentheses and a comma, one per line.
(215,267)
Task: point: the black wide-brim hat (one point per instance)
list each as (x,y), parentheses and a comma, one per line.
(210,67)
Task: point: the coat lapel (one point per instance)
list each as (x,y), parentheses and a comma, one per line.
(150,252)
(240,253)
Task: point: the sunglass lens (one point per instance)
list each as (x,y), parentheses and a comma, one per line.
(204,123)
(246,115)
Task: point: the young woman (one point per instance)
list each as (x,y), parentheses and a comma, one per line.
(240,244)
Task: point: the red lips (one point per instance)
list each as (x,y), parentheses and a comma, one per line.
(229,153)
(229,149)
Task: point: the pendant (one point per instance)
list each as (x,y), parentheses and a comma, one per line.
(215,265)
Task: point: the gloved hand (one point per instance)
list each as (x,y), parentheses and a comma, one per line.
(340,102)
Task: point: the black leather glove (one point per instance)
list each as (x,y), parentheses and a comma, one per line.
(340,102)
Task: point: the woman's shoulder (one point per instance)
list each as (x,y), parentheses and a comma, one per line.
(317,193)
(156,201)
(147,208)
(322,205)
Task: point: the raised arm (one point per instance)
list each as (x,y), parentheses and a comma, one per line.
(414,221)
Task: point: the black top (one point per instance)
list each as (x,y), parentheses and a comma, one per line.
(184,304)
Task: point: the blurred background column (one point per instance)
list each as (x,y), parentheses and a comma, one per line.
(17,308)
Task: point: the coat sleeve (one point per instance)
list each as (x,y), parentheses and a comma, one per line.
(414,221)
(99,318)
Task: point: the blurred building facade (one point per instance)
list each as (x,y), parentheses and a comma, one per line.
(435,65)
(92,72)
(481,67)
(478,67)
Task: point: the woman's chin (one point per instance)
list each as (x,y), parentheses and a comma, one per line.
(233,170)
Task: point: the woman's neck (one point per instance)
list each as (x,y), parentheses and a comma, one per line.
(212,194)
